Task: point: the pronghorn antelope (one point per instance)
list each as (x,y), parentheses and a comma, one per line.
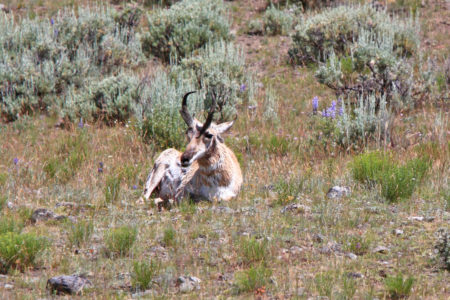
(208,169)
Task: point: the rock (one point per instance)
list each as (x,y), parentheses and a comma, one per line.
(416,218)
(3,276)
(354,275)
(10,205)
(337,192)
(295,250)
(380,249)
(188,283)
(42,214)
(297,208)
(223,210)
(397,232)
(318,238)
(68,284)
(142,294)
(8,286)
(352,256)
(70,205)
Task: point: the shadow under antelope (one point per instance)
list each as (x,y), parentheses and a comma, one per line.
(207,170)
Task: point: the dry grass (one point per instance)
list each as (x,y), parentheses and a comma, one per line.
(305,251)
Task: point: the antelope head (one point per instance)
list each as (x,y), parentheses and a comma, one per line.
(203,138)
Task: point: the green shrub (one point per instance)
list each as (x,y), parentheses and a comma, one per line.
(19,250)
(338,28)
(277,22)
(10,224)
(120,240)
(252,279)
(366,168)
(175,32)
(306,4)
(288,189)
(396,182)
(79,233)
(358,244)
(112,189)
(324,284)
(398,287)
(253,251)
(3,201)
(443,247)
(143,274)
(169,236)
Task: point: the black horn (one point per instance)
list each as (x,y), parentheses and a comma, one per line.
(209,118)
(185,112)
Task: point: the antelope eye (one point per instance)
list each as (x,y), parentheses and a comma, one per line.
(208,135)
(189,130)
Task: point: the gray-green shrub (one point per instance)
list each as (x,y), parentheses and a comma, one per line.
(19,250)
(252,279)
(10,224)
(41,59)
(79,233)
(398,287)
(443,247)
(175,32)
(338,29)
(277,22)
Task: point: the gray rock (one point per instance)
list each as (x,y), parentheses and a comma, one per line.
(142,294)
(380,249)
(354,275)
(337,192)
(296,207)
(3,276)
(188,283)
(68,284)
(42,214)
(223,210)
(397,232)
(8,286)
(10,205)
(295,250)
(318,238)
(416,218)
(352,256)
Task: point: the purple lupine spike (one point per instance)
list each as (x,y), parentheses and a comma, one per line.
(81,124)
(15,160)
(243,87)
(315,104)
(134,187)
(52,21)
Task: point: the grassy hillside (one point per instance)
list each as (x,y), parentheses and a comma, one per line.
(90,96)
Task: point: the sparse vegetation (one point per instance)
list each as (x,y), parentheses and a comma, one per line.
(85,112)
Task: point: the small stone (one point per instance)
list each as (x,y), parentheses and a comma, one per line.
(380,249)
(10,205)
(354,275)
(337,192)
(325,250)
(188,283)
(295,250)
(416,218)
(70,205)
(318,238)
(142,294)
(297,208)
(8,286)
(352,256)
(223,210)
(300,292)
(397,232)
(68,284)
(42,214)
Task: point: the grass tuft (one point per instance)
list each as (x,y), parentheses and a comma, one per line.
(120,240)
(398,287)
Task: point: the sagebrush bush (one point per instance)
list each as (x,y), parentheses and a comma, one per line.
(220,68)
(175,32)
(144,273)
(19,251)
(42,60)
(338,28)
(306,4)
(443,247)
(277,22)
(395,181)
(112,188)
(169,237)
(120,240)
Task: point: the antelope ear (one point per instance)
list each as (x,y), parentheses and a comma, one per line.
(224,127)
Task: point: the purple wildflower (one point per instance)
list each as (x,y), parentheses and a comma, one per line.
(243,87)
(100,170)
(341,110)
(52,21)
(100,164)
(315,104)
(333,104)
(134,187)
(15,160)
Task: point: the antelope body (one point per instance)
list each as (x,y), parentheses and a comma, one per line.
(207,170)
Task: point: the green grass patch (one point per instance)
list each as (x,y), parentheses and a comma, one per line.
(252,279)
(252,250)
(80,233)
(169,237)
(398,287)
(144,273)
(10,224)
(119,240)
(19,251)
